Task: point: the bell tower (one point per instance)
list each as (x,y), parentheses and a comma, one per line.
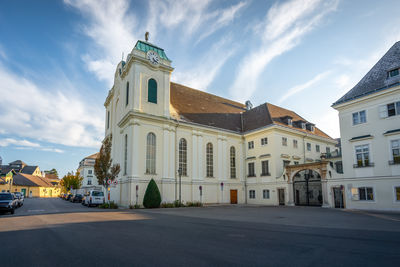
(148,71)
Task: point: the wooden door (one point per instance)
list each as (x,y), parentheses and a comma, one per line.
(338,197)
(281,196)
(234,196)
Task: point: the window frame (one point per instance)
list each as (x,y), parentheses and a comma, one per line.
(126,154)
(127,94)
(356,117)
(396,109)
(265,171)
(250,145)
(365,190)
(264,141)
(317,148)
(182,156)
(251,172)
(395,159)
(266,194)
(284,141)
(364,161)
(232,162)
(396,194)
(308,145)
(209,160)
(295,143)
(151,153)
(152,92)
(252,194)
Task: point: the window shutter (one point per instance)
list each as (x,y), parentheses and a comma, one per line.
(383,111)
(152,91)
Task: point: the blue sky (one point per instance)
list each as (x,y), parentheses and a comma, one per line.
(57,61)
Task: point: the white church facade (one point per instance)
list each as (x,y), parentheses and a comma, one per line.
(227,152)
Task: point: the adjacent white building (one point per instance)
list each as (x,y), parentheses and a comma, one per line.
(86,170)
(369,117)
(227,152)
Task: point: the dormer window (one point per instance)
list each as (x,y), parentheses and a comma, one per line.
(303,125)
(289,122)
(393,73)
(312,128)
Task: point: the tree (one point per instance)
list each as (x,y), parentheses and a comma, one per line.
(103,168)
(71,180)
(52,171)
(152,197)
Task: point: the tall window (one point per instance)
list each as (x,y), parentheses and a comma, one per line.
(308,147)
(209,160)
(265,168)
(250,144)
(151,154)
(183,156)
(294,143)
(362,155)
(284,141)
(252,172)
(266,194)
(252,194)
(127,94)
(359,117)
(108,119)
(396,151)
(317,148)
(397,192)
(233,162)
(152,91)
(125,154)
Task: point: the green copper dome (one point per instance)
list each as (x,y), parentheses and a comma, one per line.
(144,46)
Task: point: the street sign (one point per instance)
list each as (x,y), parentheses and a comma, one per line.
(109,181)
(115,182)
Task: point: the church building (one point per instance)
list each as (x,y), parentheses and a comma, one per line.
(199,146)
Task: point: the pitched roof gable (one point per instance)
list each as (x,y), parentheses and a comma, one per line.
(376,79)
(29,169)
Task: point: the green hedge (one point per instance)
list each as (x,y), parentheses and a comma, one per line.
(152,197)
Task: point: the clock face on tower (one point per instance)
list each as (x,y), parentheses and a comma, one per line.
(153,57)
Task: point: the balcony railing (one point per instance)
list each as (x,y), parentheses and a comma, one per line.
(363,165)
(394,162)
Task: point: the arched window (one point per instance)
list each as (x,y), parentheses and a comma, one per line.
(209,160)
(152,91)
(183,156)
(127,94)
(233,161)
(151,154)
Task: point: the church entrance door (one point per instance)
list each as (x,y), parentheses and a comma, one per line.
(234,196)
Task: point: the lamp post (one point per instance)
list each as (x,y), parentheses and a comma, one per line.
(307,178)
(180,186)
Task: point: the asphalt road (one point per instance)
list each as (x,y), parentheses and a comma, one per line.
(53,232)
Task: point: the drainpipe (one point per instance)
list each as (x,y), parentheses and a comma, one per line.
(244,159)
(176,158)
(304,150)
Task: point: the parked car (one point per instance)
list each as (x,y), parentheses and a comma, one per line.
(68,197)
(20,198)
(94,198)
(77,198)
(8,202)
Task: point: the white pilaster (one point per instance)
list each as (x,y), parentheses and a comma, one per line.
(172,147)
(195,163)
(135,150)
(201,163)
(165,152)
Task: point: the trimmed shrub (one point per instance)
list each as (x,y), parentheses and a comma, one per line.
(152,197)
(112,205)
(177,204)
(167,205)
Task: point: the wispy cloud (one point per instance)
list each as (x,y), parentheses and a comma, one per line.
(301,87)
(112,29)
(282,29)
(207,68)
(55,116)
(24,143)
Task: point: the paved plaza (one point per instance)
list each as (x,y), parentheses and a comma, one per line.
(53,232)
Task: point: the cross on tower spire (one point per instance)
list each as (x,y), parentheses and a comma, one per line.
(146,36)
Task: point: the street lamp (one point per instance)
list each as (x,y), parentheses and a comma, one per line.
(180,185)
(307,178)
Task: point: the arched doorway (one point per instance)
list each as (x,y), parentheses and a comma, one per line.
(307,188)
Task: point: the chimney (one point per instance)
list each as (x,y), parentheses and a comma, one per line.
(249,105)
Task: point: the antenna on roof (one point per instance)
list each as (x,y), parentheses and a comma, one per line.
(122,56)
(146,36)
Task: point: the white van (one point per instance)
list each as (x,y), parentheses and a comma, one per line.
(93,198)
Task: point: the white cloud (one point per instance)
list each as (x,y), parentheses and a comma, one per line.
(284,26)
(328,122)
(56,116)
(301,87)
(56,150)
(111,28)
(207,68)
(23,143)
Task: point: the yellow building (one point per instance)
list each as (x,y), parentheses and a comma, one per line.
(34,186)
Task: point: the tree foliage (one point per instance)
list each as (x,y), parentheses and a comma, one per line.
(103,167)
(71,180)
(52,171)
(152,197)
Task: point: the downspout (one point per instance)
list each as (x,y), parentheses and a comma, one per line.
(304,150)
(244,159)
(176,159)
